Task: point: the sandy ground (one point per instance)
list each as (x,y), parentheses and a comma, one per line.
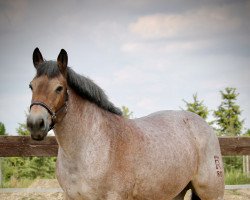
(42,185)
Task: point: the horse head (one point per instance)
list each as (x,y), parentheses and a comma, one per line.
(49,94)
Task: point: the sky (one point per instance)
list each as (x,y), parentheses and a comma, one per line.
(147,55)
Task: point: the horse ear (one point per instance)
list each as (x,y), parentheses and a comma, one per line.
(62,61)
(37,58)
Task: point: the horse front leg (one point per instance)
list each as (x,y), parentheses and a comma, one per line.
(66,197)
(113,196)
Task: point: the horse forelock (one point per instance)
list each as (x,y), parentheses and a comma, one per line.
(82,85)
(48,68)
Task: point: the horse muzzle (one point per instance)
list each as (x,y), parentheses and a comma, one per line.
(38,124)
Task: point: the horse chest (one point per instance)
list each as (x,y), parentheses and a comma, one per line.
(82,178)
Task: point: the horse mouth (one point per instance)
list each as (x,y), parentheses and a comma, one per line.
(38,125)
(38,136)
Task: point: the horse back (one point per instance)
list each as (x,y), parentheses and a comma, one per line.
(177,126)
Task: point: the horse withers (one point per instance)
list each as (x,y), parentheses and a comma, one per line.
(103,155)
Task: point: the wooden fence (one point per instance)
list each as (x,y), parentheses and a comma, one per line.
(23,146)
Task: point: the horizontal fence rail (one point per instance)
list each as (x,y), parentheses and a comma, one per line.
(24,146)
(234,146)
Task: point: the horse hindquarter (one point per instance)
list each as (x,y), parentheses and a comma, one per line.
(183,148)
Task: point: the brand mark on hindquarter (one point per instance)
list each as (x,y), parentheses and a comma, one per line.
(218,166)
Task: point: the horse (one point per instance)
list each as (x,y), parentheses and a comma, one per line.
(103,155)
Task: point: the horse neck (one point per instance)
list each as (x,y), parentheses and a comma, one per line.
(84,124)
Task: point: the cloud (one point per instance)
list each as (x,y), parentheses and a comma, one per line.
(211,30)
(12,14)
(201,22)
(169,47)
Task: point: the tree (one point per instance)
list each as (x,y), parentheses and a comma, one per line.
(197,107)
(2,132)
(247,133)
(126,112)
(22,130)
(227,116)
(227,120)
(2,129)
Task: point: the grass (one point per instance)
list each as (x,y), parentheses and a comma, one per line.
(14,183)
(236,177)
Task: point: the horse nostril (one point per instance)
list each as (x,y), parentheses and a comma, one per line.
(29,124)
(41,124)
(36,123)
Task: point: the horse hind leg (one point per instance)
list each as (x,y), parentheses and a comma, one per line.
(208,181)
(208,184)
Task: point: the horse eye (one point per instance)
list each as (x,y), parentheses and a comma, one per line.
(30,86)
(59,89)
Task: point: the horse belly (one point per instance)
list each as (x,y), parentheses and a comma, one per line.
(166,168)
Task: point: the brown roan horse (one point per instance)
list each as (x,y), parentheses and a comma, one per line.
(103,155)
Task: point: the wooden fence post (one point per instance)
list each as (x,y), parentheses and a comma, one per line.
(246,165)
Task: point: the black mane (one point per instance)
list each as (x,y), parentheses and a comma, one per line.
(83,86)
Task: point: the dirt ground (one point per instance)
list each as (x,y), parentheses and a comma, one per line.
(40,186)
